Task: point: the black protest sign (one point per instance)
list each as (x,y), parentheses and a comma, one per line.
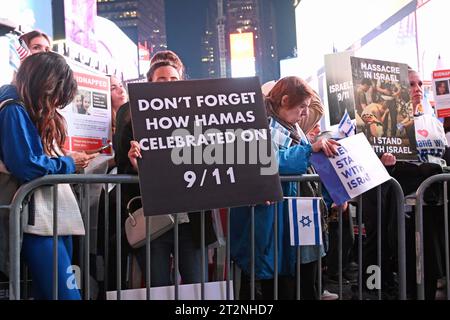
(339,86)
(383,109)
(205,144)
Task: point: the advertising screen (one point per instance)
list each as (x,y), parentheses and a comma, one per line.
(80,22)
(242,55)
(338,27)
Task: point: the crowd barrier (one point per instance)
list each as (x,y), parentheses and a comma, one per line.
(419,232)
(86,180)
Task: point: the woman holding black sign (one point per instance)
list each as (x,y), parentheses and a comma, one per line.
(32,135)
(287,103)
(167,67)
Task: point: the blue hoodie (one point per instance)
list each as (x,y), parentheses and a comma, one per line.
(20,144)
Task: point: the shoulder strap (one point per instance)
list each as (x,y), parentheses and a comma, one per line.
(131,201)
(10,101)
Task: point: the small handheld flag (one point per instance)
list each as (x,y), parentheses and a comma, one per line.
(346,125)
(304,221)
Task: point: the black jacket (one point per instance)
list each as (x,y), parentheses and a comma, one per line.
(121,143)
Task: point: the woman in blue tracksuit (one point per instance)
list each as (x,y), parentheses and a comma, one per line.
(32,134)
(286,104)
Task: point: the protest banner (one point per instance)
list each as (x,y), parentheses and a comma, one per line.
(383,109)
(339,86)
(441,85)
(355,170)
(88,117)
(205,144)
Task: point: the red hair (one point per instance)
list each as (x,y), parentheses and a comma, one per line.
(295,88)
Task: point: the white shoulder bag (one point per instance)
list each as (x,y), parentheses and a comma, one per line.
(135,227)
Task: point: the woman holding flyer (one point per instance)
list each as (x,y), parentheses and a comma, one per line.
(32,134)
(287,103)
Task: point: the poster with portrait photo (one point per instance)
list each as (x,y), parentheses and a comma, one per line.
(383,109)
(441,89)
(88,117)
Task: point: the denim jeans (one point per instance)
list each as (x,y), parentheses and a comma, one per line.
(162,248)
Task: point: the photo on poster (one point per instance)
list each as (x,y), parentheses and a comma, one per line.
(383,110)
(82,102)
(442,87)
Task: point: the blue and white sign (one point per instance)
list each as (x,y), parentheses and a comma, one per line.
(355,170)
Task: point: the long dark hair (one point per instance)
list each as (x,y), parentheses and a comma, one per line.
(46,83)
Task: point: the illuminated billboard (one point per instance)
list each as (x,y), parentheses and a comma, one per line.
(80,22)
(242,55)
(120,50)
(339,27)
(144,58)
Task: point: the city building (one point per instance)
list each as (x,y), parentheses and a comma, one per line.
(225,19)
(254,16)
(142,20)
(210,52)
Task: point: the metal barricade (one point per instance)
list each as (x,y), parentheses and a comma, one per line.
(15,224)
(86,180)
(401,251)
(419,234)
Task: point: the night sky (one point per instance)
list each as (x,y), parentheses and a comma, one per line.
(185,24)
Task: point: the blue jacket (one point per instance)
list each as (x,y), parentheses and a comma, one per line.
(21,148)
(291,161)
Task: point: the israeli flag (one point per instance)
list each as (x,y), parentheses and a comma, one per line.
(304,221)
(346,125)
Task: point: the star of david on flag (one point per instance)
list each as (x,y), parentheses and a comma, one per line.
(304,221)
(346,125)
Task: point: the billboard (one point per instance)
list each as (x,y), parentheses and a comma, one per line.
(114,55)
(242,55)
(338,27)
(80,22)
(144,58)
(120,50)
